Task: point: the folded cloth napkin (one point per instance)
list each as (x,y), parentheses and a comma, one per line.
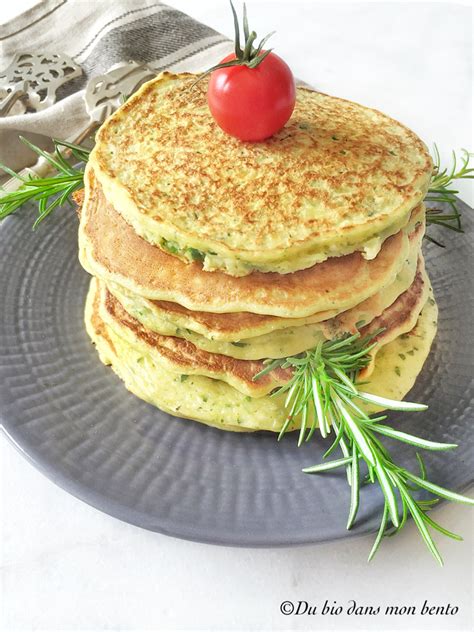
(97,34)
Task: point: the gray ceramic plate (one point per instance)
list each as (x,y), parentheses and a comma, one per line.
(74,420)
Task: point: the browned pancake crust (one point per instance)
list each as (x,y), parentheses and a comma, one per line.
(134,263)
(398,316)
(346,322)
(187,356)
(402,309)
(228,323)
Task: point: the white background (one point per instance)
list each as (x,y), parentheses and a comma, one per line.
(66,566)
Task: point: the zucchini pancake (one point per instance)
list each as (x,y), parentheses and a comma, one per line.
(212,258)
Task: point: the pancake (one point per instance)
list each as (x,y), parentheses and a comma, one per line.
(398,363)
(399,318)
(185,358)
(218,404)
(353,319)
(276,344)
(338,178)
(166,318)
(279,343)
(182,357)
(110,249)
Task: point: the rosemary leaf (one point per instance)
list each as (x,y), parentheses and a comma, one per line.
(49,192)
(324,388)
(442,192)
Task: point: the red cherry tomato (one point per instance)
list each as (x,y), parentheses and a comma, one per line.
(252,103)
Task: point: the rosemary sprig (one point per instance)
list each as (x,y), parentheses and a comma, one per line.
(441,192)
(49,192)
(322,393)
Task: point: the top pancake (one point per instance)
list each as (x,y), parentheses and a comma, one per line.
(339,177)
(111,250)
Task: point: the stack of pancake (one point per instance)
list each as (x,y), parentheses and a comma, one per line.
(210,255)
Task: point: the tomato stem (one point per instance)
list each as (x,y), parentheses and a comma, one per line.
(238,50)
(249,56)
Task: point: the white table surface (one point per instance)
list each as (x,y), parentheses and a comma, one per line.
(66,566)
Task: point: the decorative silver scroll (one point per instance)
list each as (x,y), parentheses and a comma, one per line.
(33,79)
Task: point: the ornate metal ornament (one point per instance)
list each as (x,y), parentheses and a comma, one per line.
(107,92)
(33,79)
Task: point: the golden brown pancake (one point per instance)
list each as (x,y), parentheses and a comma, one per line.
(220,332)
(110,249)
(338,177)
(399,318)
(218,404)
(363,313)
(276,343)
(182,356)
